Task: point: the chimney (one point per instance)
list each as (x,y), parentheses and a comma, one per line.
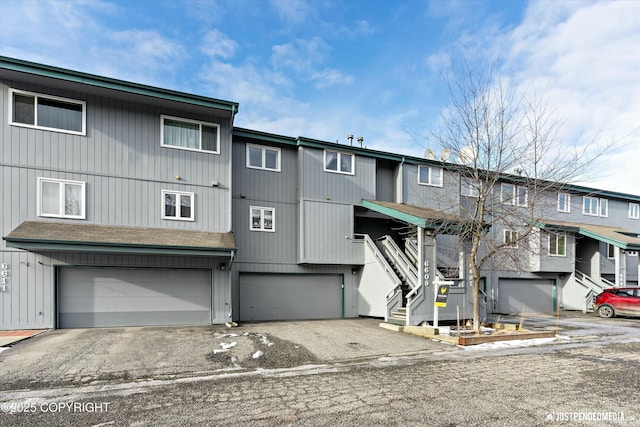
(350,138)
(360,141)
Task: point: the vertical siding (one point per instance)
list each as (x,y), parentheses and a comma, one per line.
(385,181)
(316,184)
(445,198)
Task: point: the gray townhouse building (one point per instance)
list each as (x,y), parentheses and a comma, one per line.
(130,205)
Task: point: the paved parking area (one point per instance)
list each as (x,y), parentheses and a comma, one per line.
(106,354)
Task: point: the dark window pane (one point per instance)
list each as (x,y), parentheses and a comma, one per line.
(59,115)
(170,205)
(23,109)
(345,163)
(185,207)
(255,157)
(331,160)
(209,138)
(271,159)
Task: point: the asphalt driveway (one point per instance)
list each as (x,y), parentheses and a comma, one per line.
(94,356)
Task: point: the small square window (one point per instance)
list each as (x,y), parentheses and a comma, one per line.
(634,210)
(266,158)
(61,199)
(564,202)
(557,244)
(511,238)
(177,205)
(262,219)
(191,135)
(336,161)
(429,175)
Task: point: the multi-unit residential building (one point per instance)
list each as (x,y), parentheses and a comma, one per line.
(125,204)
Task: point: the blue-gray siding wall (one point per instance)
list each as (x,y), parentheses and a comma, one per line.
(125,169)
(122,162)
(446,198)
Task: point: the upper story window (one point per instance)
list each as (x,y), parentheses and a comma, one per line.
(336,161)
(511,238)
(190,135)
(429,175)
(177,205)
(470,188)
(262,219)
(47,112)
(557,244)
(634,210)
(594,206)
(259,157)
(61,199)
(564,202)
(511,194)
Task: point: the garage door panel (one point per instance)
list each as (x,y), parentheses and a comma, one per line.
(530,296)
(289,297)
(89,297)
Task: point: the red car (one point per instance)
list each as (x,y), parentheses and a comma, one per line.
(618,301)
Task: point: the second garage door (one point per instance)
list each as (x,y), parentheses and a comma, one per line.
(105,297)
(530,296)
(289,296)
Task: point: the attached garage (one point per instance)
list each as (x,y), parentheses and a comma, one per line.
(109,297)
(528,295)
(289,296)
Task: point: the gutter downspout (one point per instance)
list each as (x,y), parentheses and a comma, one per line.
(401,176)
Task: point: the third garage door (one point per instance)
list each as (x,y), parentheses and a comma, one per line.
(289,296)
(530,296)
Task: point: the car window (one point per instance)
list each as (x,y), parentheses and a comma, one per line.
(625,292)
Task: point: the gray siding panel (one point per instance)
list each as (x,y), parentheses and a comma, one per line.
(326,234)
(320,185)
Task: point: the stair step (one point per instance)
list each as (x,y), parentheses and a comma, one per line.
(401,310)
(395,321)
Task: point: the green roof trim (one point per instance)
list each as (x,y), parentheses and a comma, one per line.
(22,66)
(615,236)
(394,213)
(263,136)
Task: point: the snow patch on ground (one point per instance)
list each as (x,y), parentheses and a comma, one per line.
(4,348)
(509,344)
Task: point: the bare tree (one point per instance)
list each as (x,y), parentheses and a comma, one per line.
(511,166)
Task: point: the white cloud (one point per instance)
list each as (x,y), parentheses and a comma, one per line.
(305,58)
(585,57)
(216,44)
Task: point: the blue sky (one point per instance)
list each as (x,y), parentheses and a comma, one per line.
(326,68)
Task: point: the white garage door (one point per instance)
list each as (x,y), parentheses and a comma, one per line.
(530,296)
(290,296)
(104,297)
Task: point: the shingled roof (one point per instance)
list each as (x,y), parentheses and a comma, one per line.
(45,235)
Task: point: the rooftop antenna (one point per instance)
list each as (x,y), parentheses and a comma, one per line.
(350,138)
(360,140)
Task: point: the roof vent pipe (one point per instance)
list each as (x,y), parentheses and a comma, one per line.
(350,138)
(360,141)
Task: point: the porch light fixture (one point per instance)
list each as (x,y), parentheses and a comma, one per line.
(223,266)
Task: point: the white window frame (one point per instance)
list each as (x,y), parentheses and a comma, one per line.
(567,202)
(611,251)
(513,242)
(339,155)
(261,226)
(599,204)
(556,237)
(179,195)
(264,149)
(514,198)
(469,188)
(430,181)
(634,210)
(61,198)
(36,97)
(164,117)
